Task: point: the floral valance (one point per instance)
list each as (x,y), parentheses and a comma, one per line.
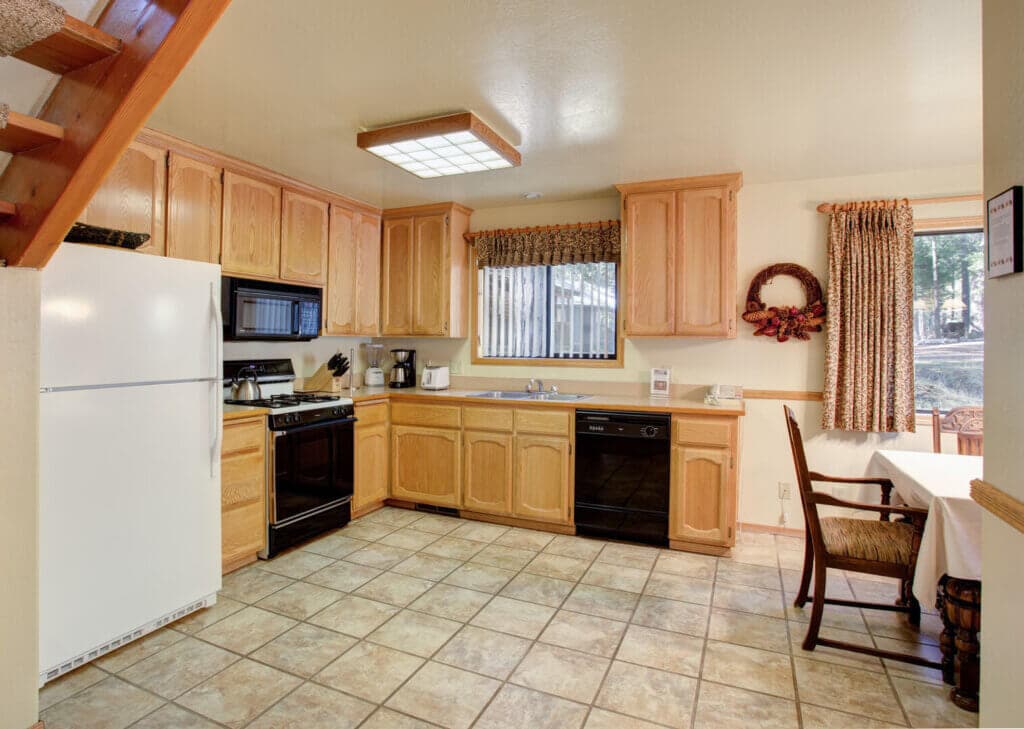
(549,245)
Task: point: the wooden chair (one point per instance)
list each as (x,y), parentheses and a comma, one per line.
(968,424)
(882,547)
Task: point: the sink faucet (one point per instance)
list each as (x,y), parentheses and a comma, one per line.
(538,383)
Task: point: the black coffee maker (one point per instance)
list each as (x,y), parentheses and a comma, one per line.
(403,372)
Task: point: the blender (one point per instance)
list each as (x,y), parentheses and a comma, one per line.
(374,375)
(403,373)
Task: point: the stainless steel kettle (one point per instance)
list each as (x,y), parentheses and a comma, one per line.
(247,388)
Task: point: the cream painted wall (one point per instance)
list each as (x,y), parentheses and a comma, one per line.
(777,222)
(19,496)
(1002,703)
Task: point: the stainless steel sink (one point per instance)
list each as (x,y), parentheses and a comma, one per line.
(520,395)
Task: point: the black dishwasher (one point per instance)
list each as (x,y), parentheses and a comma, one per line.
(622,475)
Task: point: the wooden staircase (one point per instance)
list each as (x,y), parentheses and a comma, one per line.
(112,77)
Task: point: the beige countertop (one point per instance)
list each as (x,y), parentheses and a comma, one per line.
(594,402)
(237,412)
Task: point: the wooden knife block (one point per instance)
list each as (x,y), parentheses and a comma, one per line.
(323,381)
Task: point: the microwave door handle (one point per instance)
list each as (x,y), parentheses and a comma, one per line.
(296,318)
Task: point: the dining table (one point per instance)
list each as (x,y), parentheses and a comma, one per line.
(948,571)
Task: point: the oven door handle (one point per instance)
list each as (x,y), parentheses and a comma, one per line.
(321,424)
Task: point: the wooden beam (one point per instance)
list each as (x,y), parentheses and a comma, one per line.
(101,106)
(24,133)
(77,44)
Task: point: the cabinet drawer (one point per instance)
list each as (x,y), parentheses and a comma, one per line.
(244,436)
(371,414)
(241,478)
(487,418)
(543,421)
(703,431)
(438,416)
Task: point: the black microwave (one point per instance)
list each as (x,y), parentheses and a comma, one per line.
(269,311)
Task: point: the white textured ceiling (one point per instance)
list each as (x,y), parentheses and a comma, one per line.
(592,92)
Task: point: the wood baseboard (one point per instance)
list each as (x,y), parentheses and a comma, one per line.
(713,550)
(512,521)
(769,529)
(368,508)
(37,725)
(238,563)
(999,503)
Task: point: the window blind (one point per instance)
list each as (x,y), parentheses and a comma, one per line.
(566,311)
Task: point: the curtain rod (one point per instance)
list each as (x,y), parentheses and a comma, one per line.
(871,204)
(540,228)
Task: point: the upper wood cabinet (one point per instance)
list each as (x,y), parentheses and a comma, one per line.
(251,227)
(353,273)
(133,196)
(679,256)
(425,275)
(702,508)
(304,225)
(193,209)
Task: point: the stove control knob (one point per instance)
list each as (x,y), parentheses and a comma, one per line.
(649,431)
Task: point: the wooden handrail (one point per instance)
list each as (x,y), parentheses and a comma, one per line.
(999,503)
(870,204)
(540,228)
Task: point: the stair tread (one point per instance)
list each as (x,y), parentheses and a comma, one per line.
(77,44)
(24,133)
(7,208)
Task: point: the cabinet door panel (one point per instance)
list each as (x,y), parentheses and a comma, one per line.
(487,484)
(303,239)
(243,492)
(426,465)
(371,463)
(194,194)
(251,229)
(430,288)
(701,500)
(396,277)
(367,282)
(342,272)
(706,275)
(133,196)
(541,479)
(650,263)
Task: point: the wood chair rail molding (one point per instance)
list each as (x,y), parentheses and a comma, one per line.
(101,106)
(999,503)
(867,204)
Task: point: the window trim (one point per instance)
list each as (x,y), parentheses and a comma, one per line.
(476,358)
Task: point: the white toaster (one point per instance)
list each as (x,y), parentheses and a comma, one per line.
(435,377)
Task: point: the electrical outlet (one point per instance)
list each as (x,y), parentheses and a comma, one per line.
(785,490)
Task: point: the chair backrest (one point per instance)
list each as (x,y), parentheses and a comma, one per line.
(803,475)
(966,422)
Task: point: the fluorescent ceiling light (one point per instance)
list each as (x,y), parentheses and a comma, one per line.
(446,145)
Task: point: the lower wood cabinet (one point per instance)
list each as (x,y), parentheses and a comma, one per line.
(243,491)
(372,446)
(702,512)
(541,489)
(426,465)
(487,483)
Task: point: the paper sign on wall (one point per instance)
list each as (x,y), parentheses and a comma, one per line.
(1003,237)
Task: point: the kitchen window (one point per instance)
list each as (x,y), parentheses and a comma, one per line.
(565,313)
(949,318)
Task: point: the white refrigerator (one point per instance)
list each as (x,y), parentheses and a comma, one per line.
(129,448)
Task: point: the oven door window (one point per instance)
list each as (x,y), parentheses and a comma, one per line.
(313,468)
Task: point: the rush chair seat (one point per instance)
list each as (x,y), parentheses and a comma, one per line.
(882,547)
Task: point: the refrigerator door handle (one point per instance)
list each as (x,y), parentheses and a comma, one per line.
(216,391)
(218,334)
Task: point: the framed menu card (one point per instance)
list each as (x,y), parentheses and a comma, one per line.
(1003,233)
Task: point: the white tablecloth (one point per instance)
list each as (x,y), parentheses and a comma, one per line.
(941,483)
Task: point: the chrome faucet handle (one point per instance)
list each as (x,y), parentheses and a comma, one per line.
(530,384)
(554,389)
(540,386)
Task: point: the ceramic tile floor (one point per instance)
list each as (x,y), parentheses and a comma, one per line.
(405,620)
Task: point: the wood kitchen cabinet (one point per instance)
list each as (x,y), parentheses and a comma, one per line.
(702,509)
(372,462)
(243,491)
(304,226)
(425,273)
(541,489)
(133,196)
(251,245)
(193,209)
(426,465)
(353,273)
(679,256)
(488,475)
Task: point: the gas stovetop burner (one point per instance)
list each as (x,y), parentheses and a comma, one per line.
(286,401)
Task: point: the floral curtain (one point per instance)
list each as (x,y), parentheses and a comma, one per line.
(584,243)
(869,356)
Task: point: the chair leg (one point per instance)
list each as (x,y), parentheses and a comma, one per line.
(805,578)
(817,607)
(914,611)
